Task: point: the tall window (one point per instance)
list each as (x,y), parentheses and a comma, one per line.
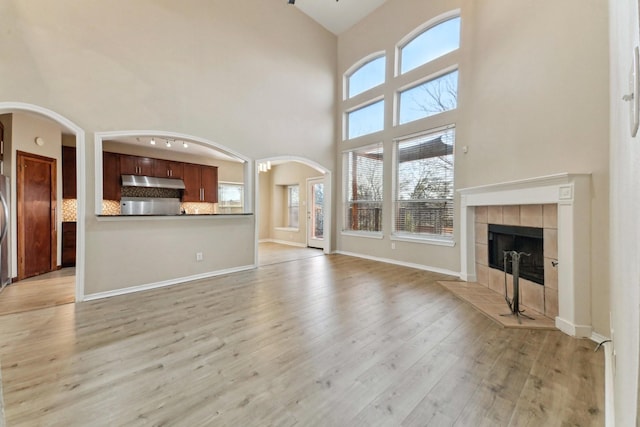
(363,189)
(368,76)
(433,43)
(230,198)
(424,185)
(425,95)
(293,203)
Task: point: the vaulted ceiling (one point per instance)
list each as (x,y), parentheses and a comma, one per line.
(337,16)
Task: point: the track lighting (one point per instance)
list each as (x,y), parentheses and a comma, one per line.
(168,144)
(184,144)
(153,141)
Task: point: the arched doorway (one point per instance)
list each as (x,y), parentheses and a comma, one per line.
(293,209)
(70,128)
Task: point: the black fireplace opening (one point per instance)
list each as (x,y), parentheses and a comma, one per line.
(520,239)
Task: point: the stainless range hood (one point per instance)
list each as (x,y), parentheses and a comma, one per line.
(152,182)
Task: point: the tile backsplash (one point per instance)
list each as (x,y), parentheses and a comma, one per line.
(69,210)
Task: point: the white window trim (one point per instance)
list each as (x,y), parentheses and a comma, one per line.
(347,111)
(355,67)
(345,170)
(414,83)
(366,234)
(433,239)
(429,239)
(286,229)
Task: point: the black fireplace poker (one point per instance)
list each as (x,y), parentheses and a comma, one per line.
(514,302)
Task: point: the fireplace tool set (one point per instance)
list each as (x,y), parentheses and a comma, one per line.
(514,302)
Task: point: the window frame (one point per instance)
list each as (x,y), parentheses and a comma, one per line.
(432,238)
(345,193)
(347,122)
(359,66)
(433,22)
(291,207)
(415,83)
(235,184)
(356,67)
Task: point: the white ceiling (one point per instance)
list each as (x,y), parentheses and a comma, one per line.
(337,16)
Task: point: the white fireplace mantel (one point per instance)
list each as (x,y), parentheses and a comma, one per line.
(572,194)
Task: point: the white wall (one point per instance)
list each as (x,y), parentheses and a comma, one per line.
(533,101)
(256,76)
(625,205)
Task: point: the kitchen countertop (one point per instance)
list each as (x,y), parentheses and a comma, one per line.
(177,216)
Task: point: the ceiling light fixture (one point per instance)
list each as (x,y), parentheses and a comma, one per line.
(184,144)
(168,143)
(153,141)
(264,167)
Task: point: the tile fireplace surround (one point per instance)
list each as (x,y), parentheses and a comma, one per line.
(571,194)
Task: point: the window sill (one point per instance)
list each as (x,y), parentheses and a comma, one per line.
(286,229)
(366,234)
(428,240)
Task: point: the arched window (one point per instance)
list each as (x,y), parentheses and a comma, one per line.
(369,75)
(433,43)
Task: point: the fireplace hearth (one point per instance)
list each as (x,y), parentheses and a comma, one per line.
(528,240)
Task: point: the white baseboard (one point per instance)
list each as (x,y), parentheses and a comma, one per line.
(468,277)
(609,371)
(578,331)
(165,283)
(402,263)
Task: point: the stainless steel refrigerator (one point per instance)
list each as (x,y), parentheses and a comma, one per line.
(5,267)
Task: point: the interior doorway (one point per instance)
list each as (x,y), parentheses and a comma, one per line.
(315,213)
(277,238)
(66,127)
(37,206)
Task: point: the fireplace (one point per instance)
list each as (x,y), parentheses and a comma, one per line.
(507,238)
(566,242)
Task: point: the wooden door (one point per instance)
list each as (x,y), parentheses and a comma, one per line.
(37,222)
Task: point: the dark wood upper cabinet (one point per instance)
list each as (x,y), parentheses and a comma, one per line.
(136,165)
(201,183)
(69,186)
(168,169)
(209,183)
(191,178)
(111,189)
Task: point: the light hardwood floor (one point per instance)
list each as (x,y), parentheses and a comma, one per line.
(46,290)
(274,253)
(321,341)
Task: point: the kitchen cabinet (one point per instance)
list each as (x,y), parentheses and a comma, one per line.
(69,187)
(136,165)
(201,183)
(111,188)
(68,244)
(167,169)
